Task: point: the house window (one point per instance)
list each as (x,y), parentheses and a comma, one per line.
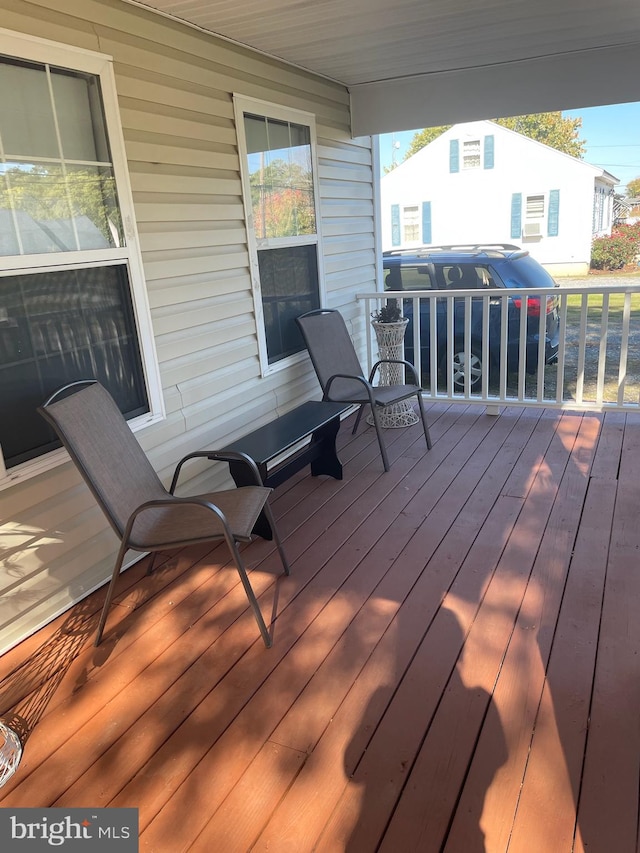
(471,154)
(411,224)
(281,202)
(535,208)
(72,296)
(599,211)
(533,216)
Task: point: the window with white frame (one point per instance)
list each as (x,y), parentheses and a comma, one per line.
(534,214)
(411,224)
(471,157)
(601,218)
(281,203)
(534,211)
(72,295)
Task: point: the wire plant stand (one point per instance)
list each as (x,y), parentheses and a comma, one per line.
(390,337)
(10,752)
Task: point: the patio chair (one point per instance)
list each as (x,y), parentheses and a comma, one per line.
(145,516)
(340,374)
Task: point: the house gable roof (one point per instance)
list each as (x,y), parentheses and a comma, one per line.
(483,128)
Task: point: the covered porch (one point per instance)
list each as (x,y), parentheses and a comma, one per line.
(455,662)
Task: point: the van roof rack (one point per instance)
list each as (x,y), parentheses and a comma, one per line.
(489,249)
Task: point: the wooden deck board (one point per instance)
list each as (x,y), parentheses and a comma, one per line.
(608,806)
(456,659)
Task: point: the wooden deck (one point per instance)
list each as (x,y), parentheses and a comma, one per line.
(456,659)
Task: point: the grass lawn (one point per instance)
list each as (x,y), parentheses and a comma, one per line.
(602,330)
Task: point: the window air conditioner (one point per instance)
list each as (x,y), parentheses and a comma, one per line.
(531,229)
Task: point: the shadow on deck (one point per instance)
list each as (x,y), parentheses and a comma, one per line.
(455,666)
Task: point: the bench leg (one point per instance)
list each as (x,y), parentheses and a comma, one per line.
(242,477)
(325,459)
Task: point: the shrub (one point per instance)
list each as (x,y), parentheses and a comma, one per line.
(618,250)
(389,313)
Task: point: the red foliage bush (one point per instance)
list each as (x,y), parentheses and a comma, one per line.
(617,251)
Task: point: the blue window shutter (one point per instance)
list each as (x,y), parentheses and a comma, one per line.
(426,221)
(488,152)
(454,155)
(395,225)
(516,216)
(554,213)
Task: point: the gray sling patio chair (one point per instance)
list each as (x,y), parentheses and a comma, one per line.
(145,516)
(340,374)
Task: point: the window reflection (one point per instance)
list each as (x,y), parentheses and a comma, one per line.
(57,186)
(281,177)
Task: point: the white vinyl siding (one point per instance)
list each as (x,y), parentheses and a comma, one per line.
(174,87)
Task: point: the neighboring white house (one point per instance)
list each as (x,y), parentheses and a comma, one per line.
(480,182)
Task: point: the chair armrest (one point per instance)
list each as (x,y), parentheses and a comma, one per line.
(217,456)
(366,384)
(174,501)
(394,361)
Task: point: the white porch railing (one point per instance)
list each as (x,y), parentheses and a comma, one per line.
(598,364)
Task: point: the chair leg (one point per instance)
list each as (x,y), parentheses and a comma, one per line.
(358,416)
(383,449)
(276,535)
(423,415)
(253,601)
(112,583)
(152,562)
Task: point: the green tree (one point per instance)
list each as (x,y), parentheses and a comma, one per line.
(50,194)
(424,137)
(633,188)
(282,199)
(549,128)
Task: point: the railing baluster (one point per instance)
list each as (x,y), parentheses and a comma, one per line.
(602,349)
(542,334)
(433,352)
(624,348)
(467,346)
(576,373)
(504,327)
(450,343)
(522,349)
(562,349)
(486,307)
(582,343)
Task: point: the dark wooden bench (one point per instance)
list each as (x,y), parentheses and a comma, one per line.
(269,447)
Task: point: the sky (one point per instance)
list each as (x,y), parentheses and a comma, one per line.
(612,136)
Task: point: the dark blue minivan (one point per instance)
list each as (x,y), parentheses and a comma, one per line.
(482,267)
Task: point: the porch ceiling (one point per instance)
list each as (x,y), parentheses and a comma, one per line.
(399,57)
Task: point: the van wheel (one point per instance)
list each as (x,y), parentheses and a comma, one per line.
(462,365)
